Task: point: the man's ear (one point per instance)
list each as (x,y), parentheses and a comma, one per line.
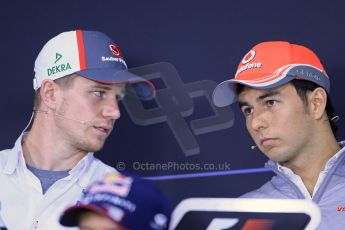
(49,93)
(317,102)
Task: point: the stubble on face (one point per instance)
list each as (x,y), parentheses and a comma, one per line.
(77,132)
(80,122)
(280,124)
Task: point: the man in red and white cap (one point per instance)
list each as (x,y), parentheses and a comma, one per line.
(79,78)
(283,92)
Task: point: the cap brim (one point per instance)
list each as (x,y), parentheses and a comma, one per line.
(143,88)
(225,93)
(70,217)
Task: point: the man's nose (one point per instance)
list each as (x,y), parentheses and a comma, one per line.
(258,120)
(112,110)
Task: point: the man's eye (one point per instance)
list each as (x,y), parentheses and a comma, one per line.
(271,103)
(120,97)
(247,111)
(98,93)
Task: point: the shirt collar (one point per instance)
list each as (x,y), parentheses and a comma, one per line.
(82,165)
(15,157)
(82,168)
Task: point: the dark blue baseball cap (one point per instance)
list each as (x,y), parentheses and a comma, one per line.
(128,201)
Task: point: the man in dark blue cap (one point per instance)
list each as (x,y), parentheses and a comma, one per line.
(119,202)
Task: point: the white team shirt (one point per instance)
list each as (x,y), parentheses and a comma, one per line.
(22,203)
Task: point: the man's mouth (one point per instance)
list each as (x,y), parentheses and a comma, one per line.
(103,129)
(267,141)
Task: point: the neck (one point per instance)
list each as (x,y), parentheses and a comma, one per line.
(42,149)
(313,160)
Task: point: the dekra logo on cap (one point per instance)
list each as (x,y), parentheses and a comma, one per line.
(58,68)
(57,57)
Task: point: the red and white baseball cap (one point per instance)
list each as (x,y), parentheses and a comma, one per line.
(271,64)
(90,54)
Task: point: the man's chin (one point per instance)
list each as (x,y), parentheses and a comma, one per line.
(276,155)
(94,148)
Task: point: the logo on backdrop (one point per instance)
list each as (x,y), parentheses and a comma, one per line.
(174,103)
(244,214)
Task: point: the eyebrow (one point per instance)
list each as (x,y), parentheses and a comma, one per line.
(241,104)
(259,98)
(101,87)
(108,88)
(268,94)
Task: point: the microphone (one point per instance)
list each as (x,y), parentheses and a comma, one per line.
(253,147)
(61,116)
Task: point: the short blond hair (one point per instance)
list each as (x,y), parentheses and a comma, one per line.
(64,82)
